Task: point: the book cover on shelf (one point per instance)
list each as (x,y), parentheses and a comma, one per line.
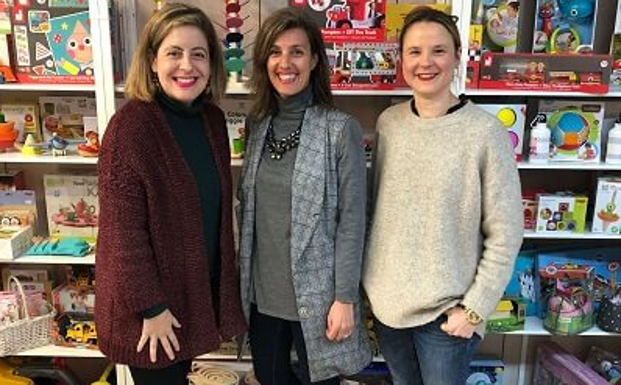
(72,206)
(53,42)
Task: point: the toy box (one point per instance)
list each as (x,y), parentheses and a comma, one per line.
(12,180)
(53,42)
(72,206)
(26,118)
(556,366)
(561,213)
(606,214)
(17,208)
(539,72)
(523,284)
(509,316)
(65,115)
(484,370)
(235,112)
(368,66)
(498,21)
(512,117)
(347,20)
(564,26)
(576,128)
(473,65)
(615,76)
(74,300)
(14,242)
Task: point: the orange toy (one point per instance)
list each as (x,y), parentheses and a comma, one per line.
(91,147)
(8,133)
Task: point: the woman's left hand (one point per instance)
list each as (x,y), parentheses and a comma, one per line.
(457,324)
(340,321)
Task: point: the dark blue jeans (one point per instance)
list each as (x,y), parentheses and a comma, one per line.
(425,355)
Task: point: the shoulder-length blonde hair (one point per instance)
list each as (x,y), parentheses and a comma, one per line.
(278,22)
(142,82)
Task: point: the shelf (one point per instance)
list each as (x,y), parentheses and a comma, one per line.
(62,351)
(532,93)
(574,166)
(48,87)
(51,260)
(585,235)
(18,157)
(534,327)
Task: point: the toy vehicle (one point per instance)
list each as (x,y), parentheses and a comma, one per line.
(82,333)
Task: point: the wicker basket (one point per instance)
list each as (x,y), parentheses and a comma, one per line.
(26,333)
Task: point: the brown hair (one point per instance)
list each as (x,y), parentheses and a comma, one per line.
(278,22)
(431,15)
(142,82)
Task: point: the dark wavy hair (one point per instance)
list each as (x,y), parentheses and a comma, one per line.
(278,22)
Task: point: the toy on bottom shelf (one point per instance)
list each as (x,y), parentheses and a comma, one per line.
(566,289)
(606,364)
(485,371)
(576,129)
(556,366)
(564,26)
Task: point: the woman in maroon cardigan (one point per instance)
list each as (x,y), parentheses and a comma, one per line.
(167,282)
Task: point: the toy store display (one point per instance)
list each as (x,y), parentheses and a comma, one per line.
(575,128)
(509,316)
(564,26)
(512,117)
(540,72)
(606,218)
(606,364)
(556,366)
(53,42)
(497,23)
(522,283)
(561,213)
(72,206)
(26,118)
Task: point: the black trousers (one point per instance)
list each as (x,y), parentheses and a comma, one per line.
(175,374)
(271,340)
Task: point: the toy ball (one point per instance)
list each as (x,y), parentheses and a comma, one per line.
(570,131)
(507,117)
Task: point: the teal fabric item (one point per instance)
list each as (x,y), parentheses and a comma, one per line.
(75,247)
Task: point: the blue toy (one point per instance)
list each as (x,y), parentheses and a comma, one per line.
(564,26)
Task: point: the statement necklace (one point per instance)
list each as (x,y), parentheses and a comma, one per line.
(278,147)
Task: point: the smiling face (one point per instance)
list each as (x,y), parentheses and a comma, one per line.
(429,58)
(290,62)
(182,64)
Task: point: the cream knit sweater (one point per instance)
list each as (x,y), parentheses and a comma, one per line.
(446,215)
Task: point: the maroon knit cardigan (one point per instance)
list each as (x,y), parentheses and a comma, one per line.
(150,247)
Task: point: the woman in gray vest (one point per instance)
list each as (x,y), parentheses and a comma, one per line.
(302,213)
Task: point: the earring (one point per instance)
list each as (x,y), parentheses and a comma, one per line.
(155,80)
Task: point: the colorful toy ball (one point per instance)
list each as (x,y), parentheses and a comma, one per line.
(507,117)
(570,131)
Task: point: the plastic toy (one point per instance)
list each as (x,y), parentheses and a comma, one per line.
(56,145)
(103,380)
(82,333)
(89,149)
(564,26)
(8,376)
(8,133)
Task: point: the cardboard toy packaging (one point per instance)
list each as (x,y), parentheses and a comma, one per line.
(561,213)
(512,117)
(606,217)
(53,41)
(26,118)
(72,206)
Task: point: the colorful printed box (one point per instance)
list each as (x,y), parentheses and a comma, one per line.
(561,214)
(65,115)
(513,118)
(26,118)
(606,217)
(53,42)
(72,206)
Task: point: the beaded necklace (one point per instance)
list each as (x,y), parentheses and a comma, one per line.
(278,147)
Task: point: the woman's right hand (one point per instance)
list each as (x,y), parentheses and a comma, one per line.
(160,329)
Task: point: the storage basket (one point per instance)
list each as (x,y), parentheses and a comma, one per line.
(206,374)
(28,332)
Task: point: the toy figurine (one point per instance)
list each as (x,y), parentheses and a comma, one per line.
(91,147)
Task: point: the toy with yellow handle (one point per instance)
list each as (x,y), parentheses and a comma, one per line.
(8,377)
(103,380)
